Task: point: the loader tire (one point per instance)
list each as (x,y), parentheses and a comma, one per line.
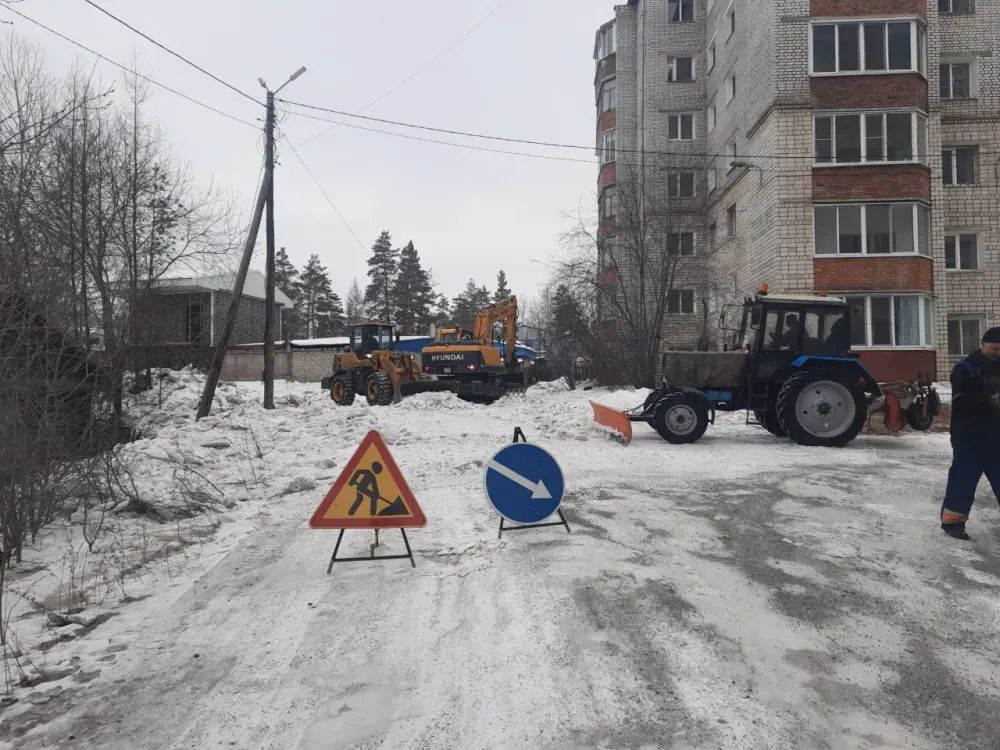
(378,389)
(822,407)
(680,418)
(342,390)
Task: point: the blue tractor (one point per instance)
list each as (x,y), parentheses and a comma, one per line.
(789,365)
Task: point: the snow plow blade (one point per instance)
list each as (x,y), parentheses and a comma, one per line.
(617,422)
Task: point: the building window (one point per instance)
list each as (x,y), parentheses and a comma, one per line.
(194,323)
(867,47)
(713,237)
(609,204)
(872,229)
(956,80)
(680,243)
(711,116)
(608,147)
(878,137)
(710,56)
(681,184)
(961,252)
(731,220)
(605,46)
(731,88)
(731,21)
(958,165)
(713,178)
(680,69)
(964,335)
(680,127)
(608,98)
(902,321)
(680,10)
(956,7)
(680,302)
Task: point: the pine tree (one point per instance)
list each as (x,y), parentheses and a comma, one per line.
(320,310)
(285,275)
(503,291)
(354,304)
(412,293)
(383,265)
(468,303)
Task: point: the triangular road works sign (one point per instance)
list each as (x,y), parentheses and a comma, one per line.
(370,493)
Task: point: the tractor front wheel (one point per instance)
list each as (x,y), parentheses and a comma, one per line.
(822,407)
(378,389)
(680,418)
(342,390)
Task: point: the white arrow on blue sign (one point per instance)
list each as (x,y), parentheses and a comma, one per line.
(524,483)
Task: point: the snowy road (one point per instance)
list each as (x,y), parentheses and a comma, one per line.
(742,592)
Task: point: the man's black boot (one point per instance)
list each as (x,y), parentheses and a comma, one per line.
(955,530)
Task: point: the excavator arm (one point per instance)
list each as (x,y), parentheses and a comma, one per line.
(503,312)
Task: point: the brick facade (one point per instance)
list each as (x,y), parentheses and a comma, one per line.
(769,122)
(882,274)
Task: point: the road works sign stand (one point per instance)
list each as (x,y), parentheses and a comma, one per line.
(360,499)
(525,485)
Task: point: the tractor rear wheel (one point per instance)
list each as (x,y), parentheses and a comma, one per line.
(342,390)
(822,407)
(378,389)
(680,418)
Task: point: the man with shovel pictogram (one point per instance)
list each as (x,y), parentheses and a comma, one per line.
(366,486)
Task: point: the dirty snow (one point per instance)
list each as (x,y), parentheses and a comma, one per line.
(740,592)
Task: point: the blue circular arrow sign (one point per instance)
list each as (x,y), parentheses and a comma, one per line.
(524,483)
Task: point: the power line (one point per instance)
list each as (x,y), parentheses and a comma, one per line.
(444,143)
(179,56)
(127,69)
(326,195)
(544,144)
(468,32)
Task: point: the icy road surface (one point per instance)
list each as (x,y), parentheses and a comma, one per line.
(739,593)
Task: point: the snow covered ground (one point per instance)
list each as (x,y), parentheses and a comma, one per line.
(740,592)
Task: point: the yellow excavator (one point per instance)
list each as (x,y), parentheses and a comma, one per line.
(471,360)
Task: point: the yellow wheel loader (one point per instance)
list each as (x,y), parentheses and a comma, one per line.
(372,368)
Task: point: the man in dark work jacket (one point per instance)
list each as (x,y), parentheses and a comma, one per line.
(975,432)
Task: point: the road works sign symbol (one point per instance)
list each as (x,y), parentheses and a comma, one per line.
(524,483)
(370,493)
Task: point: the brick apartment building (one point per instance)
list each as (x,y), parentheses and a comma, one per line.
(847,146)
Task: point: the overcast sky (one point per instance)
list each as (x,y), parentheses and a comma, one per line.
(526,72)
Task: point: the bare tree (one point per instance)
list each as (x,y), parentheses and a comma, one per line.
(638,278)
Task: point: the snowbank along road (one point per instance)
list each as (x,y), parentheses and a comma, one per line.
(742,592)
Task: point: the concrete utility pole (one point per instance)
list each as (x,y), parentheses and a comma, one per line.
(269,230)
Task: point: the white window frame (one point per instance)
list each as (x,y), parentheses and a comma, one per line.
(711,55)
(607,42)
(917,119)
(965,318)
(681,295)
(711,115)
(918,50)
(608,204)
(925,322)
(676,176)
(694,244)
(950,153)
(694,11)
(951,8)
(918,237)
(678,118)
(602,95)
(608,148)
(956,236)
(732,216)
(713,178)
(672,69)
(730,88)
(973,78)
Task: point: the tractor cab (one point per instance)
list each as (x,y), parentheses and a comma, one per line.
(453,336)
(369,337)
(777,330)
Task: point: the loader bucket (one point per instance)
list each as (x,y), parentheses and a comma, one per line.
(615,421)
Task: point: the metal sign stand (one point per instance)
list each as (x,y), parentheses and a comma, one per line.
(519,437)
(371,556)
